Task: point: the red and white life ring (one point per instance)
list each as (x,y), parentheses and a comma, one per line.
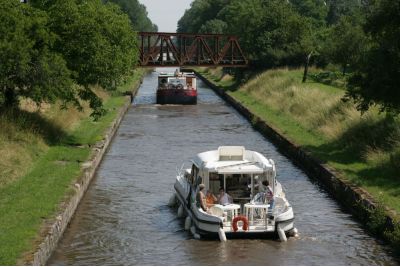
(240,218)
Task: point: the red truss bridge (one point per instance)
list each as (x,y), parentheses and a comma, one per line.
(161,49)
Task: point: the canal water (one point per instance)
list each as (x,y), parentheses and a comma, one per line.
(124,218)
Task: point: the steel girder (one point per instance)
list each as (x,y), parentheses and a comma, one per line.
(161,49)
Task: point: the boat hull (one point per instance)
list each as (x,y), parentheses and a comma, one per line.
(177,96)
(208,226)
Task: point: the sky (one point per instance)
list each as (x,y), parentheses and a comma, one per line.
(166,13)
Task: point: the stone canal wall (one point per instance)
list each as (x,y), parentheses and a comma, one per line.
(53,230)
(354,199)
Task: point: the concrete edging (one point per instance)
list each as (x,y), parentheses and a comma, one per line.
(53,230)
(354,199)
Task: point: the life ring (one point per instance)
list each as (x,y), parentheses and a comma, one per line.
(240,218)
(179,86)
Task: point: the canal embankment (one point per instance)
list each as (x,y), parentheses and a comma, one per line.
(355,157)
(49,158)
(124,219)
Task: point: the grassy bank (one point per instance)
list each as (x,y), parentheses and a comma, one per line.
(42,151)
(364,149)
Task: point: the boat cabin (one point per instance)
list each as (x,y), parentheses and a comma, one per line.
(177,80)
(240,172)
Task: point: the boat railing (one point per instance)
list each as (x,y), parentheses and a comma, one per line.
(258,214)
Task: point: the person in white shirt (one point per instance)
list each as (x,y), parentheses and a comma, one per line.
(224,198)
(269,194)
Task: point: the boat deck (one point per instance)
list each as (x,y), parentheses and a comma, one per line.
(256,227)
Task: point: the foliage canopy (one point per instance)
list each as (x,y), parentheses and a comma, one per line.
(362,37)
(376,79)
(29,65)
(58,49)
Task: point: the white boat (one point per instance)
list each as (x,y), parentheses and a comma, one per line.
(240,173)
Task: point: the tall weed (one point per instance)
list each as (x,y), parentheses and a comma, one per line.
(375,136)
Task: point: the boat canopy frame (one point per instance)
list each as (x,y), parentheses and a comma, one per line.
(263,173)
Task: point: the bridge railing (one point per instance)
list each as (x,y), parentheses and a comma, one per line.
(182,49)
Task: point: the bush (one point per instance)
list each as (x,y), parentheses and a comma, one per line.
(333,78)
(394,237)
(377,220)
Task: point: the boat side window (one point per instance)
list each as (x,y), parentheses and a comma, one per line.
(194,173)
(214,176)
(162,83)
(214,182)
(189,81)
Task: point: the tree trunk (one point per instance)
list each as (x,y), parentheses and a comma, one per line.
(9,97)
(308,57)
(344,69)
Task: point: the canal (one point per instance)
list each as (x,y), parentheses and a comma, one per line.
(124,219)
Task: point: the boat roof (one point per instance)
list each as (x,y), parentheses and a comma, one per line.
(233,159)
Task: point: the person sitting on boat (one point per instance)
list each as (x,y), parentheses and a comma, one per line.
(201,198)
(224,198)
(265,194)
(257,185)
(269,194)
(210,199)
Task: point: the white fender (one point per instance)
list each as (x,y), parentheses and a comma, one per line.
(188,223)
(281,234)
(221,234)
(295,232)
(180,211)
(172,200)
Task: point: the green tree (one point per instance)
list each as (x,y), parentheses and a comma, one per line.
(200,11)
(28,66)
(245,19)
(215,26)
(97,42)
(316,10)
(137,14)
(346,42)
(95,39)
(339,8)
(376,79)
(280,40)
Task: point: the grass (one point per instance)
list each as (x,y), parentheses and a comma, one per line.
(43,149)
(364,149)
